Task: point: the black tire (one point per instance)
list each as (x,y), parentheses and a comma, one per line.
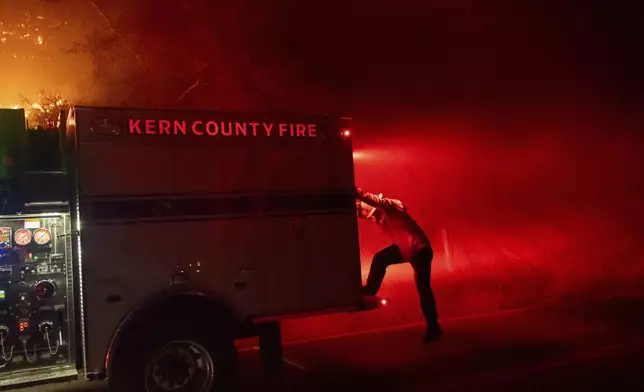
(132,360)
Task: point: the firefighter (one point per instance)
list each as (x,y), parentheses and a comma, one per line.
(410,244)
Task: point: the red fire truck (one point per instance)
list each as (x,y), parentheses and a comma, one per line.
(137,245)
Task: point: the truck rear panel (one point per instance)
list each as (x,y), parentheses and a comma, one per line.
(259,210)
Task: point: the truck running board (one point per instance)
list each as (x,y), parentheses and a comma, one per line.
(39,376)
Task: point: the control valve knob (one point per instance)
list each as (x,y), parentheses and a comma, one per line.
(45,289)
(4,332)
(46,327)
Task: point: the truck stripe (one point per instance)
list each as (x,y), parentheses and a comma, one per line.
(217,206)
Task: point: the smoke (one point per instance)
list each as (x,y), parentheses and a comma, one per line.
(33,37)
(552,212)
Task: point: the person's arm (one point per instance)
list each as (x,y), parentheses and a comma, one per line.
(368,198)
(378,201)
(365,211)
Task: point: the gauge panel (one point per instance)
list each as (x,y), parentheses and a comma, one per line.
(35,296)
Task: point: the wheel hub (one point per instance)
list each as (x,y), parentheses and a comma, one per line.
(180,366)
(174,369)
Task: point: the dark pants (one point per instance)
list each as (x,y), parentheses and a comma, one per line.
(421,262)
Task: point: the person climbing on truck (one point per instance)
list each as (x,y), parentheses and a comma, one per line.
(410,244)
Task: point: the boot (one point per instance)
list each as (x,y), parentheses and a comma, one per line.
(433,333)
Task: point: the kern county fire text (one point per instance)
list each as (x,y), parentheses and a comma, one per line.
(220,128)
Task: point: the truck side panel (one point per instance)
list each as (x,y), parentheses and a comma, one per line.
(200,170)
(112,266)
(228,265)
(124,169)
(266,223)
(305,266)
(312,167)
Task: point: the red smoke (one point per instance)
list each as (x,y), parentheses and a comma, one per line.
(534,211)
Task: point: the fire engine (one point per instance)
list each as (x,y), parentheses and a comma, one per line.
(137,245)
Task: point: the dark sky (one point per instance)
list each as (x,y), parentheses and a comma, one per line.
(353,57)
(437,54)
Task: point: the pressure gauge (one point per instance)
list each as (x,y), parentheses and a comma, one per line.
(22,237)
(42,236)
(45,289)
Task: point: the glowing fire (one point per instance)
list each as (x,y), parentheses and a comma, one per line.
(32,29)
(32,60)
(10,107)
(49,107)
(38,113)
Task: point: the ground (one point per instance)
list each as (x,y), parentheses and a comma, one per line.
(590,346)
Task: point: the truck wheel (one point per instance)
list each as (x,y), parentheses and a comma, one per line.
(180,359)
